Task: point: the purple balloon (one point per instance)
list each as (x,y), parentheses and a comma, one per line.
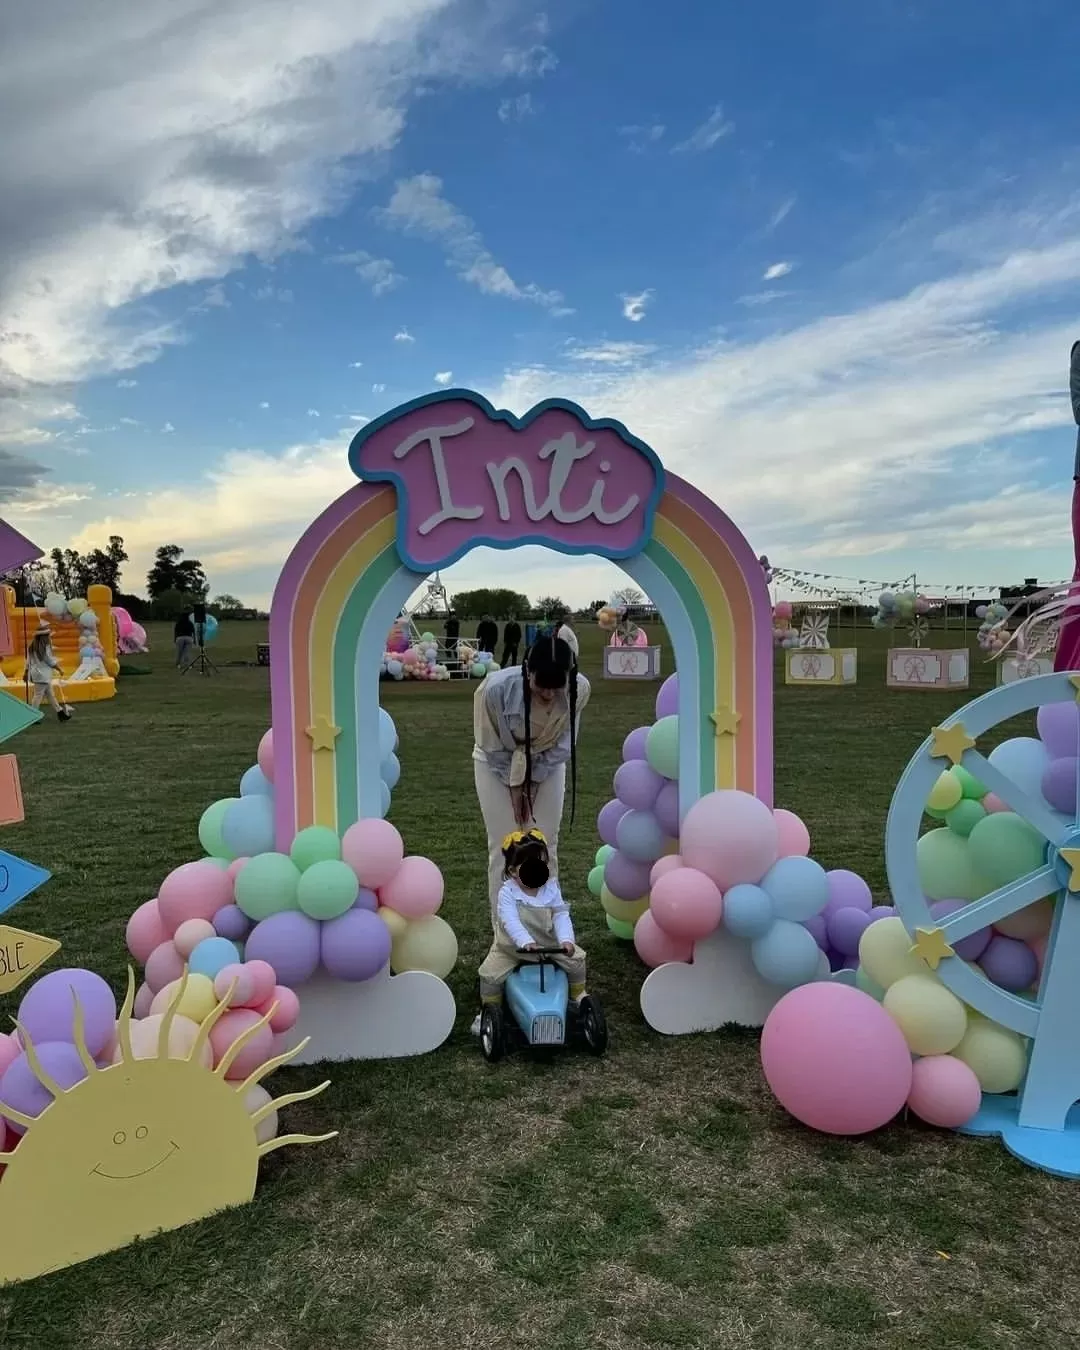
(1059,784)
(625,878)
(667,700)
(850,963)
(836,959)
(666,810)
(48,1009)
(607,822)
(1059,729)
(289,942)
(1009,963)
(640,837)
(634,745)
(846,927)
(815,926)
(19,1087)
(969,948)
(355,946)
(231,922)
(882,912)
(366,900)
(637,785)
(847,890)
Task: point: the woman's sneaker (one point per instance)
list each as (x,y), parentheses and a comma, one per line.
(64,715)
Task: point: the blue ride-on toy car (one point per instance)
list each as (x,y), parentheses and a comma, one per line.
(536,1007)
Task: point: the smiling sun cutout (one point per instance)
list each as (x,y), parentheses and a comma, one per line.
(134,1149)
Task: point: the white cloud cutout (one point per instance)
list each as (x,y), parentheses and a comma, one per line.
(777,270)
(704,137)
(634,306)
(517,109)
(386,1017)
(403,335)
(126,384)
(379,273)
(718,987)
(444,378)
(639,139)
(418,207)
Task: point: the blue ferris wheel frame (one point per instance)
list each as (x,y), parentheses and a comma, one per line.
(1040,1124)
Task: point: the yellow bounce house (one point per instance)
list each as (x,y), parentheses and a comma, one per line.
(84,646)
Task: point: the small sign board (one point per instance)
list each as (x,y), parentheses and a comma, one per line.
(20,955)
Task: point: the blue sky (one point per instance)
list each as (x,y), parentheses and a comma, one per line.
(825,258)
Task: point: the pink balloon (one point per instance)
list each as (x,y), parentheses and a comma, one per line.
(671,862)
(233,869)
(655,947)
(374,850)
(415,890)
(265,756)
(835,1059)
(144,996)
(145,931)
(243,994)
(163,965)
(794,837)
(190,933)
(730,836)
(197,890)
(993,805)
(686,904)
(9,1049)
(288,1009)
(944,1091)
(257,1051)
(263,979)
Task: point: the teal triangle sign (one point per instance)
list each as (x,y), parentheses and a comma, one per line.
(15,716)
(18,879)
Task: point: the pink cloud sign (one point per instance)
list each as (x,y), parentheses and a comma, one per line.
(468,476)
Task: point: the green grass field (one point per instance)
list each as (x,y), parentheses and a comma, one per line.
(655,1198)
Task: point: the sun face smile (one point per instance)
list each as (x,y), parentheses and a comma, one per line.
(130,1176)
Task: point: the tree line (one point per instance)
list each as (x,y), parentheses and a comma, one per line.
(502,603)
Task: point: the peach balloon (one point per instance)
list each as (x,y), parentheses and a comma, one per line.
(374,850)
(657,948)
(263,980)
(235,867)
(287,1011)
(1027,924)
(944,1091)
(190,933)
(144,996)
(265,756)
(794,837)
(237,984)
(163,965)
(255,1051)
(662,866)
(145,931)
(196,890)
(255,1098)
(146,1034)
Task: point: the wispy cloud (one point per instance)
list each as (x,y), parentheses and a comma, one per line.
(264,405)
(444,377)
(639,139)
(757,298)
(168,427)
(777,270)
(634,306)
(780,214)
(378,388)
(709,133)
(517,109)
(529,63)
(610,353)
(282,294)
(313,412)
(379,273)
(355,365)
(403,335)
(418,207)
(126,384)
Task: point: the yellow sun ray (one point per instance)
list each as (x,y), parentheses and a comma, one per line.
(17,1116)
(286,1099)
(210,1022)
(51,1086)
(170,1014)
(80,1037)
(283,1139)
(123,1022)
(245,1036)
(265,1070)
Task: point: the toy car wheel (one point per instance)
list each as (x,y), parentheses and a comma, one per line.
(593,1025)
(492,1033)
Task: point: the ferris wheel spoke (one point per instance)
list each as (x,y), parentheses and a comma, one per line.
(1037,814)
(1000,904)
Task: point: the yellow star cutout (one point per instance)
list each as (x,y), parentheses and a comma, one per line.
(950,743)
(931,946)
(725,721)
(323,734)
(1071,856)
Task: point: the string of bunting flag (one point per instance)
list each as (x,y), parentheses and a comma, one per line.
(857,590)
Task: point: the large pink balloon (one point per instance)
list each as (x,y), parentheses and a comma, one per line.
(730,836)
(835,1059)
(255,1052)
(415,890)
(944,1091)
(670,862)
(196,890)
(655,947)
(145,931)
(265,756)
(794,837)
(374,850)
(163,965)
(686,904)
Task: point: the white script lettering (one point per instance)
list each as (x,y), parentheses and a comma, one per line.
(433,438)
(564,453)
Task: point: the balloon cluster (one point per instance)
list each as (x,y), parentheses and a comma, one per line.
(784,635)
(608,617)
(130,636)
(90,648)
(414,661)
(58,606)
(993,635)
(894,608)
(478,664)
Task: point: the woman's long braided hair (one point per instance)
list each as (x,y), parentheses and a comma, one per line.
(551,662)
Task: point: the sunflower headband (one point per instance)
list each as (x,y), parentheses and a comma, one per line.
(519,837)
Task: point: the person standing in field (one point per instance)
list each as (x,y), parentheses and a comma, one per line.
(511,642)
(487,635)
(184,640)
(41,667)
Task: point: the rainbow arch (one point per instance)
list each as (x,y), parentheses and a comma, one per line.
(345,582)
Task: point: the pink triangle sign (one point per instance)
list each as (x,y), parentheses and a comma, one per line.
(15,549)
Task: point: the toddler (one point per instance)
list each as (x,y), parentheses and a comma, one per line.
(40,667)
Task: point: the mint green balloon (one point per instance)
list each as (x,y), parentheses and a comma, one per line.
(964,816)
(318,843)
(970,786)
(947,869)
(662,747)
(596,881)
(210,829)
(867,985)
(327,889)
(1005,847)
(621,928)
(267,884)
(603,853)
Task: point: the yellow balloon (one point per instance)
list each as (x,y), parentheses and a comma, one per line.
(198,1002)
(397,923)
(996,1055)
(427,944)
(254,1099)
(932,1019)
(182,1035)
(945,793)
(628,911)
(886,955)
(1027,924)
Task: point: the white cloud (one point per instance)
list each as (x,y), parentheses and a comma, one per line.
(444,377)
(757,298)
(313,412)
(355,365)
(213,298)
(167,428)
(418,207)
(529,63)
(639,139)
(282,295)
(403,335)
(517,109)
(780,214)
(634,306)
(264,405)
(704,137)
(126,384)
(777,270)
(379,273)
(378,388)
(611,353)
(129,422)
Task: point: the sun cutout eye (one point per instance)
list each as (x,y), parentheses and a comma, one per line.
(119,1137)
(141,1132)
